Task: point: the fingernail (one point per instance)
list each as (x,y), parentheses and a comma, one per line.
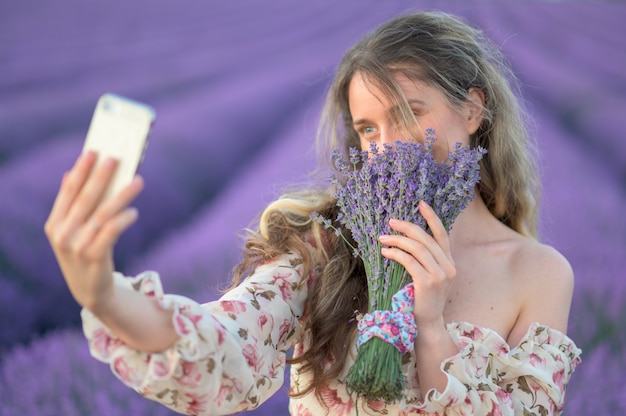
(383,238)
(109,161)
(89,154)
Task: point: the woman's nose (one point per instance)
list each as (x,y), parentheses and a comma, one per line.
(390,135)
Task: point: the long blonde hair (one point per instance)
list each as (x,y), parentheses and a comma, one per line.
(445,52)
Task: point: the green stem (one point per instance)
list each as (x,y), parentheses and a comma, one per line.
(377,372)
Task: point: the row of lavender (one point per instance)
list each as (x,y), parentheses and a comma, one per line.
(572,73)
(237,92)
(213,116)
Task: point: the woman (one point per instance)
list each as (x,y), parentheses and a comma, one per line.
(491,302)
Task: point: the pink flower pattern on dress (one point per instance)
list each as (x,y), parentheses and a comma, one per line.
(122,369)
(195,403)
(284,283)
(335,403)
(253,359)
(191,375)
(231,357)
(233,306)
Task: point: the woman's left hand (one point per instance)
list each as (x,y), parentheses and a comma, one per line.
(428,260)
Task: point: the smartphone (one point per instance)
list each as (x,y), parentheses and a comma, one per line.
(119,128)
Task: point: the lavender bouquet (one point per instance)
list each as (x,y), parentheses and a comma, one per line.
(373,188)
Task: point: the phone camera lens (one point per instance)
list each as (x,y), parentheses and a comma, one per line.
(109,106)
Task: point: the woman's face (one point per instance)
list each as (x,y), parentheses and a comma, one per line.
(372,114)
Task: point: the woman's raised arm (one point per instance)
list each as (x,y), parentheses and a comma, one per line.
(82,229)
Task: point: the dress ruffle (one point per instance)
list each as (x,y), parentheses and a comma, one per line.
(230,356)
(231,353)
(486,365)
(187,315)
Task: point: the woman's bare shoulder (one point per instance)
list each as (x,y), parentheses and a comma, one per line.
(535,265)
(544,280)
(529,263)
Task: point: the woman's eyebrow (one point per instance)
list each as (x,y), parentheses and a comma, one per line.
(393,110)
(415,101)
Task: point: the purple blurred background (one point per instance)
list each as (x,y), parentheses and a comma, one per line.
(237,87)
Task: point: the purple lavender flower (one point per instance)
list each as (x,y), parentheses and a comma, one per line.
(374,187)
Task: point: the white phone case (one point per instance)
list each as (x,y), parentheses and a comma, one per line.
(119,129)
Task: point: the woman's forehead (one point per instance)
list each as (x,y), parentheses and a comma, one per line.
(415,91)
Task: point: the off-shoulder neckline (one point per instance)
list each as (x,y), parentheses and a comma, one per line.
(533,329)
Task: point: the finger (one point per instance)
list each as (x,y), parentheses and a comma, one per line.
(423,269)
(91,194)
(416,233)
(83,204)
(440,235)
(110,232)
(415,251)
(111,208)
(71,184)
(414,268)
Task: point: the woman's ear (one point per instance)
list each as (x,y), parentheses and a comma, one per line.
(475,105)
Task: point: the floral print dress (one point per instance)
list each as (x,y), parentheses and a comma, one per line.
(231,354)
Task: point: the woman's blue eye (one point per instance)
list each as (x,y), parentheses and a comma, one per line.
(368,130)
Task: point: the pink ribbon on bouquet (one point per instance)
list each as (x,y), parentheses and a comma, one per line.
(396,327)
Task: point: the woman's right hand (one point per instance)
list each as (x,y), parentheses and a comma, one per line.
(82,228)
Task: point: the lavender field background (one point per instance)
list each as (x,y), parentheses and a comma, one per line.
(237,87)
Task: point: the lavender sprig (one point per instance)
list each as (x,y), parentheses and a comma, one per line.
(374,187)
